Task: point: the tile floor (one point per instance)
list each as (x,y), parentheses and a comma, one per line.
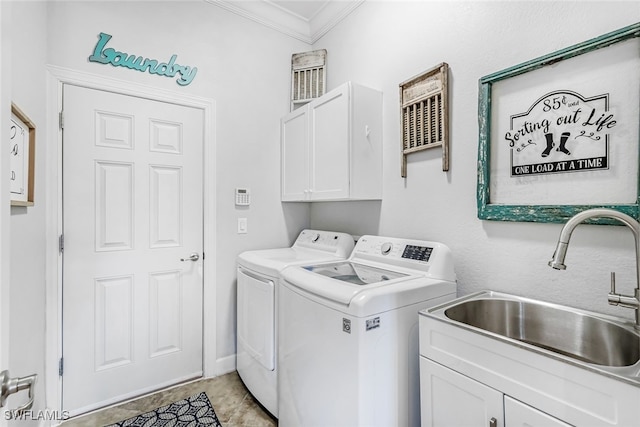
(232,402)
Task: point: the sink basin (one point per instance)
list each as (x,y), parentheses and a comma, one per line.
(561,330)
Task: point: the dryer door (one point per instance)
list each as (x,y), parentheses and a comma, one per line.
(256,317)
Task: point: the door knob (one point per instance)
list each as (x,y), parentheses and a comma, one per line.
(10,385)
(193,257)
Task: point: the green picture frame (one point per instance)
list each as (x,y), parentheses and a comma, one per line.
(488,209)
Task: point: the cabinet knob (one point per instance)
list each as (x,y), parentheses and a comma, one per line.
(493,422)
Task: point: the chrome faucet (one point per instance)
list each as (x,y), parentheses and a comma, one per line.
(614,298)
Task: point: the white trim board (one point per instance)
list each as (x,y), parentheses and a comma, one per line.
(56,78)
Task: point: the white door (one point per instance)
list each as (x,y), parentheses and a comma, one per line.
(132,207)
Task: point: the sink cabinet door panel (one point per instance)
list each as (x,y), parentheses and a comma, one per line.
(449,399)
(517,414)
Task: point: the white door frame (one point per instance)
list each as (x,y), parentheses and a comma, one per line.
(56,77)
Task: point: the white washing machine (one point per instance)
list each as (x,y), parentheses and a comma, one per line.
(258,274)
(348,333)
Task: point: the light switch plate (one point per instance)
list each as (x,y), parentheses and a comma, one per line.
(242,226)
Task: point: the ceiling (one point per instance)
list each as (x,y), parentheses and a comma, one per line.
(305,20)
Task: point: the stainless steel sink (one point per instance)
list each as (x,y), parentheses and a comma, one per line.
(564,331)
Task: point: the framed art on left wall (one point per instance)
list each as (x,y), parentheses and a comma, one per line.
(22,140)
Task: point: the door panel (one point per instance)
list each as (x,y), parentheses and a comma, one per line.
(165,214)
(132,206)
(114,206)
(114,322)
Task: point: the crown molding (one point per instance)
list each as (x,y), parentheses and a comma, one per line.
(288,23)
(330,16)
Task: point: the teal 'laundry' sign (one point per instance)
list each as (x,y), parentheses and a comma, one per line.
(107,55)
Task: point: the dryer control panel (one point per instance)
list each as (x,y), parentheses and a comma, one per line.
(340,244)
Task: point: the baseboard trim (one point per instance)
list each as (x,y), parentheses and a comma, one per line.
(226,364)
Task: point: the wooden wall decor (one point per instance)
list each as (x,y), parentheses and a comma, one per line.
(22,157)
(424,114)
(308,76)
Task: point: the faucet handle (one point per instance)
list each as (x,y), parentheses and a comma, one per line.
(613,282)
(613,297)
(622,300)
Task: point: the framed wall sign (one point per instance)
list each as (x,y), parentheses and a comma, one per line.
(561,133)
(22,140)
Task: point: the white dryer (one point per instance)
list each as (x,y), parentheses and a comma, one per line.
(348,333)
(258,274)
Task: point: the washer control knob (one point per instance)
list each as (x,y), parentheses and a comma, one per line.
(316,238)
(386,248)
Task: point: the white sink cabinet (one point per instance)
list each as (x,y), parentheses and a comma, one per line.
(473,379)
(331,148)
(452,399)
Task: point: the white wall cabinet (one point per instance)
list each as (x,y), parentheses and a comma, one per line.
(449,399)
(331,148)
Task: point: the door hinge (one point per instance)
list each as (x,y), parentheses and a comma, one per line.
(61,119)
(60,367)
(61,243)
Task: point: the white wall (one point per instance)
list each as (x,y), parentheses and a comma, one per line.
(384,43)
(245,68)
(28,28)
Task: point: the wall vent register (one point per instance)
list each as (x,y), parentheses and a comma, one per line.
(308,76)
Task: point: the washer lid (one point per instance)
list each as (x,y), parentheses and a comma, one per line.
(271,261)
(358,274)
(343,281)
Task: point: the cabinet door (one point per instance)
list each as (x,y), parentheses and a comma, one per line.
(294,142)
(330,145)
(517,414)
(449,399)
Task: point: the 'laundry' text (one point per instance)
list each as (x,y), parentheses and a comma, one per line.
(138,63)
